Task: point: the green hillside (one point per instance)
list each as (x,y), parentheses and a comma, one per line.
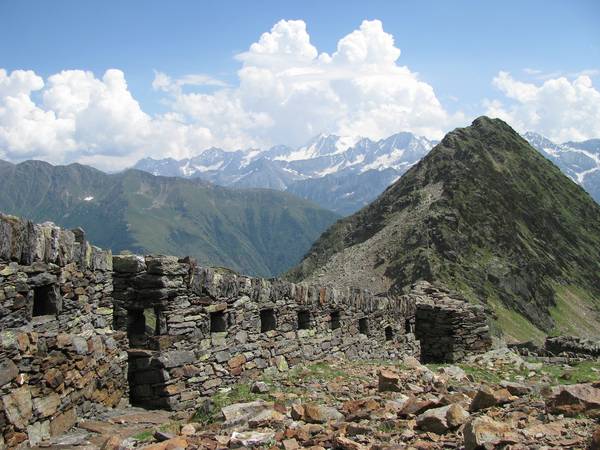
(487,215)
(255,231)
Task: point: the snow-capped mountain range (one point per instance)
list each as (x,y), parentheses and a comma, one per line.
(344,173)
(580,161)
(339,173)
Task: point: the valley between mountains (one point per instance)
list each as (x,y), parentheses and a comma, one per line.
(255,231)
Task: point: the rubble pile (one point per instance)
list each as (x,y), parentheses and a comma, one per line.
(497,400)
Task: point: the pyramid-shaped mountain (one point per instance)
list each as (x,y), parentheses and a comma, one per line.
(486,215)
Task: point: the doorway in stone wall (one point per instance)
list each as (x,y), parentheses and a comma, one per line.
(145,375)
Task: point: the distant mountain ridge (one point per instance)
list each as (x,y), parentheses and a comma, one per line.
(255,231)
(343,174)
(487,215)
(580,161)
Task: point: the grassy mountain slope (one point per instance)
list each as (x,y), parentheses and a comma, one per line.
(256,231)
(487,215)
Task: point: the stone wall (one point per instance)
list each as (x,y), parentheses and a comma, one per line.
(81,330)
(572,346)
(197,329)
(59,356)
(448,327)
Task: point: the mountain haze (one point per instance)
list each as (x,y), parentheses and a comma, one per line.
(255,231)
(487,215)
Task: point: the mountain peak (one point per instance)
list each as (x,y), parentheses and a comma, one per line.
(483,213)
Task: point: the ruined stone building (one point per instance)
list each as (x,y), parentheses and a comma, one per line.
(82,330)
(59,356)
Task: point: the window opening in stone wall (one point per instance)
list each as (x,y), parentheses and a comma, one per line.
(303,320)
(43,302)
(389,333)
(218,323)
(363,326)
(335,320)
(150,322)
(267,320)
(407,326)
(136,322)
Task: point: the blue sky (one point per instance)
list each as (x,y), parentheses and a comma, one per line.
(456,48)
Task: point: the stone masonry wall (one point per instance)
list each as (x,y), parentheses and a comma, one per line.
(59,356)
(196,329)
(448,327)
(80,330)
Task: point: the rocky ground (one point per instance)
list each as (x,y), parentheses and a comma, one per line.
(495,400)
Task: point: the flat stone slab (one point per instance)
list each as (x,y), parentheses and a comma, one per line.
(150,417)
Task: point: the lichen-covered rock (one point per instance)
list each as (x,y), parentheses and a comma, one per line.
(388,381)
(314,413)
(18,407)
(440,420)
(240,414)
(8,371)
(484,431)
(128,263)
(250,438)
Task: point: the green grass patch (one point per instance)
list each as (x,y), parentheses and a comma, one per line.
(236,393)
(514,325)
(576,312)
(580,372)
(321,371)
(577,372)
(170,427)
(479,374)
(144,436)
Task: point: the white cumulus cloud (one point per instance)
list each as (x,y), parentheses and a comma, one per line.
(558,108)
(287,91)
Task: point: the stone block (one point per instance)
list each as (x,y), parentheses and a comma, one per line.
(128,264)
(18,407)
(47,405)
(8,371)
(38,432)
(63,422)
(176,358)
(165,265)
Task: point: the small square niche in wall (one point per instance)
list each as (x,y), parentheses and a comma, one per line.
(303,320)
(363,326)
(218,322)
(268,321)
(335,320)
(44,301)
